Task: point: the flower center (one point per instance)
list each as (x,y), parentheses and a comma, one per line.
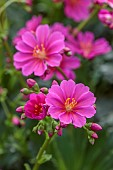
(86,47)
(73,2)
(39,52)
(38,109)
(70,104)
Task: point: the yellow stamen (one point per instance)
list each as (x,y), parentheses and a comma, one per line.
(70,104)
(39,52)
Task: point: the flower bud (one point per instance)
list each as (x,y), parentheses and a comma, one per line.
(26,91)
(44,90)
(59,132)
(95,127)
(23,116)
(50,134)
(94,136)
(16,121)
(20,109)
(54,82)
(31,83)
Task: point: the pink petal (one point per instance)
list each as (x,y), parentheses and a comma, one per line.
(40,68)
(86,99)
(54,60)
(78,120)
(22,47)
(68,88)
(29,39)
(29,68)
(55,112)
(42,33)
(80,90)
(65,118)
(20,57)
(88,112)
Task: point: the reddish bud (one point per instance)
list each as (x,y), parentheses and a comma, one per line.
(95,127)
(31,83)
(16,121)
(94,136)
(54,82)
(44,90)
(20,109)
(59,132)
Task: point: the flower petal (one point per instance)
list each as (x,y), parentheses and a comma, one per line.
(29,39)
(87,112)
(65,118)
(40,68)
(22,47)
(78,121)
(55,112)
(54,60)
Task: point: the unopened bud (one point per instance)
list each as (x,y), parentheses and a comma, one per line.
(95,127)
(50,134)
(59,132)
(16,121)
(23,116)
(20,109)
(94,136)
(44,90)
(40,132)
(31,83)
(92,141)
(26,91)
(67,51)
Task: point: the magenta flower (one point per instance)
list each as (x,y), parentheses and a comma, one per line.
(68,64)
(77,9)
(31,25)
(89,48)
(35,107)
(106,17)
(71,103)
(29,2)
(108,2)
(38,52)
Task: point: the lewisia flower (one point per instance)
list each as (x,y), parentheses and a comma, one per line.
(35,106)
(31,25)
(71,103)
(38,51)
(89,48)
(77,9)
(106,17)
(68,64)
(109,2)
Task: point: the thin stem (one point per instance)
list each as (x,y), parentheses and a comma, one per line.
(8,49)
(5,108)
(84,23)
(8,3)
(61,71)
(41,151)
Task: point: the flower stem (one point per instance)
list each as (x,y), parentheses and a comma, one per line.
(61,71)
(85,22)
(8,3)
(8,49)
(5,108)
(41,151)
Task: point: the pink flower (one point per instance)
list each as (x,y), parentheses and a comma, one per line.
(109,2)
(89,48)
(29,2)
(77,9)
(16,120)
(31,25)
(36,52)
(68,64)
(35,107)
(106,17)
(71,103)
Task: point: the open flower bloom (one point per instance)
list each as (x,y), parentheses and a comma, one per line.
(38,51)
(68,64)
(31,25)
(77,9)
(106,17)
(89,48)
(71,103)
(109,2)
(35,106)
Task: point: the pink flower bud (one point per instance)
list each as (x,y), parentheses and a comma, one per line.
(40,132)
(20,109)
(16,121)
(95,127)
(25,91)
(44,90)
(54,82)
(59,132)
(50,134)
(94,136)
(31,82)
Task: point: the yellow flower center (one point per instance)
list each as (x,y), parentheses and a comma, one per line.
(70,104)
(86,47)
(38,109)
(39,52)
